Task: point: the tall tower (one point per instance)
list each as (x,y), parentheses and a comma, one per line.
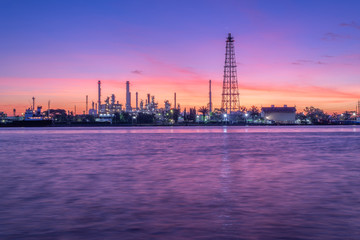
(175,100)
(87,105)
(210,102)
(33,106)
(99,95)
(128,97)
(49,108)
(230,94)
(137,101)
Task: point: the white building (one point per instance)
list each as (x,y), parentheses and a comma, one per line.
(285,115)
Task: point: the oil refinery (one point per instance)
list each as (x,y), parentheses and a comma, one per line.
(109,111)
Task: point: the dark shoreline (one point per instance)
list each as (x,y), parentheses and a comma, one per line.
(59,125)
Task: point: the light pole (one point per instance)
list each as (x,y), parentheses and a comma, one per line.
(225,117)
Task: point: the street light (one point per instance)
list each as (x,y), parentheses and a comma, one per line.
(225,117)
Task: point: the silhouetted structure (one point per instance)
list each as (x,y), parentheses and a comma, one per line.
(137,101)
(87,104)
(210,102)
(33,106)
(99,96)
(174,100)
(128,97)
(230,95)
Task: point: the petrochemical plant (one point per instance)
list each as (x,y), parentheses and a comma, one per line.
(107,110)
(110,111)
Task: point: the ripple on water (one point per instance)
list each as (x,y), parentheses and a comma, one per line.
(180,183)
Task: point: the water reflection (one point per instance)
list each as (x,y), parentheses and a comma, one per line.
(200,129)
(180,183)
(225,184)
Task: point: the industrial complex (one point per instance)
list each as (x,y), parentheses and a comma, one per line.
(107,110)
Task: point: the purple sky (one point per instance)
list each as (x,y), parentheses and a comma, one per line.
(288,52)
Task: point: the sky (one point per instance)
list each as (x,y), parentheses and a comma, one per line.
(298,53)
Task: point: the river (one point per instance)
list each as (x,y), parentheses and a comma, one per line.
(180,183)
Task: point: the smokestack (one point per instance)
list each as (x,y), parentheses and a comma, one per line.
(99,95)
(87,104)
(175,100)
(128,97)
(49,108)
(210,102)
(33,108)
(137,106)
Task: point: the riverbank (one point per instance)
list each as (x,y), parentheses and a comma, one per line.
(108,124)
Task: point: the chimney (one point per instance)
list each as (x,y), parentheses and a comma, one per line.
(49,108)
(175,100)
(99,95)
(210,103)
(33,108)
(87,104)
(137,101)
(128,97)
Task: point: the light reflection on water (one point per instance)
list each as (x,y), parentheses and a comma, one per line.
(208,129)
(180,183)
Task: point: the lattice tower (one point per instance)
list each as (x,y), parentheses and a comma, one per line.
(230,94)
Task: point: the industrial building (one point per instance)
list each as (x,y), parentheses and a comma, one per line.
(106,111)
(230,111)
(109,108)
(282,115)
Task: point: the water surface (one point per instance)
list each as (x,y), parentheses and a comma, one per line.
(180,183)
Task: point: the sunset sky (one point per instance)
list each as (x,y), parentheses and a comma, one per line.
(298,53)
